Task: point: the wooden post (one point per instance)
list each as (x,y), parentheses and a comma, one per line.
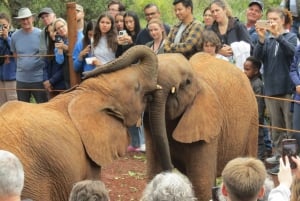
(72,36)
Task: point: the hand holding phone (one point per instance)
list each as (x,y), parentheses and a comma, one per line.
(290,148)
(265,24)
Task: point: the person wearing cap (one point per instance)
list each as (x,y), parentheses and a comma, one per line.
(294,7)
(80,22)
(47,16)
(254,12)
(186,36)
(25,44)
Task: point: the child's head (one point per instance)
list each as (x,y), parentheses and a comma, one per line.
(211,42)
(252,67)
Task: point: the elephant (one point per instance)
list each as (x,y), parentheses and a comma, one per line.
(72,136)
(205,114)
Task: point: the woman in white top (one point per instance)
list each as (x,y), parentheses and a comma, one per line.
(105,40)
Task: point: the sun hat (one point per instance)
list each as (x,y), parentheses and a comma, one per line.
(257,2)
(45,11)
(24,13)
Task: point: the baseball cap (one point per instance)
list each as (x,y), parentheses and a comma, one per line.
(45,10)
(79,7)
(257,2)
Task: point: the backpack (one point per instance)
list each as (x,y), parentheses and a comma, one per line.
(4,51)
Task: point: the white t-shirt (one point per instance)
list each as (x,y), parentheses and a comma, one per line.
(103,52)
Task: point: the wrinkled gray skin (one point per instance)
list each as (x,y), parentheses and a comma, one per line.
(69,138)
(210,117)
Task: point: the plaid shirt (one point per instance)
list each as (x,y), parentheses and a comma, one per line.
(190,42)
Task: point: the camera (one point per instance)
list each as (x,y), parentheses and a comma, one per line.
(122,33)
(289,148)
(263,24)
(58,38)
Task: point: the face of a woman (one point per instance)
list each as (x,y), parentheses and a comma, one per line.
(129,23)
(105,25)
(61,28)
(119,22)
(208,18)
(218,13)
(155,30)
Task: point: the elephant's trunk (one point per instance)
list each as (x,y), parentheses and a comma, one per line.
(139,52)
(158,129)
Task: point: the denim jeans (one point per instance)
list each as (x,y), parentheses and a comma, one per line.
(24,95)
(136,136)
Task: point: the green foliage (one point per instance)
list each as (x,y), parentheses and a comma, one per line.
(93,8)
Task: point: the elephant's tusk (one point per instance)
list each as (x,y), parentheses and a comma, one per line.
(173,89)
(158,86)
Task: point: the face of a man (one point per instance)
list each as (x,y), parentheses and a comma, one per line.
(79,15)
(182,12)
(253,13)
(26,23)
(151,12)
(47,18)
(113,10)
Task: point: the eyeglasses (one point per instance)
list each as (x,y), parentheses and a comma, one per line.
(60,27)
(150,14)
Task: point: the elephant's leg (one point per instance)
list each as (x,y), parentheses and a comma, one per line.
(201,167)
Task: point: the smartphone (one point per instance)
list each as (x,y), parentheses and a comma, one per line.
(215,193)
(58,38)
(263,24)
(289,148)
(122,33)
(1,27)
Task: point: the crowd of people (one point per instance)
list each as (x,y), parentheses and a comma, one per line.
(269,56)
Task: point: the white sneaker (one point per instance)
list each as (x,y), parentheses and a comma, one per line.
(143,148)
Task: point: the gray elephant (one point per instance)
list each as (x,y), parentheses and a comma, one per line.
(69,138)
(204,115)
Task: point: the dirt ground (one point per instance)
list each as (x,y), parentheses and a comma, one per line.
(125,178)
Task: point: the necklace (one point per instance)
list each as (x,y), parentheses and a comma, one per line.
(155,50)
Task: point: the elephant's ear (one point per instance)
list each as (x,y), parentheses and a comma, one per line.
(202,120)
(103,137)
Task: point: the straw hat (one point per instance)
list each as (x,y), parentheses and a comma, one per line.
(24,13)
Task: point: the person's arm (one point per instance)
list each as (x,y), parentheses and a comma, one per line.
(192,35)
(282,192)
(294,73)
(78,59)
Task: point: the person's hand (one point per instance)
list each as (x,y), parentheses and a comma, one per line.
(298,92)
(84,52)
(296,171)
(61,46)
(47,85)
(96,62)
(4,32)
(124,40)
(261,32)
(285,173)
(226,51)
(275,29)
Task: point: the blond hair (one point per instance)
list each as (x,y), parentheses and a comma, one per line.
(244,178)
(160,23)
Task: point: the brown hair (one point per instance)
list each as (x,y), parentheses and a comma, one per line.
(210,36)
(295,189)
(244,178)
(224,5)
